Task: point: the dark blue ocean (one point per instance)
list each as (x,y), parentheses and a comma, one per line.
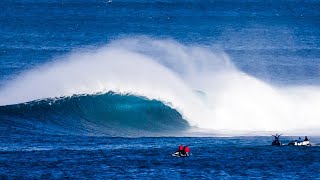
(98,89)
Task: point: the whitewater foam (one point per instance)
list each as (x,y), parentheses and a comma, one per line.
(173,73)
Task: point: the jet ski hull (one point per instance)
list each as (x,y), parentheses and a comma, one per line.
(177,154)
(296,143)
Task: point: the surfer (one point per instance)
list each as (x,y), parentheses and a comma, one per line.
(276,141)
(276,137)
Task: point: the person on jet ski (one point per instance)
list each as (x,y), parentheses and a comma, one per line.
(306,138)
(183,152)
(299,140)
(180,149)
(187,150)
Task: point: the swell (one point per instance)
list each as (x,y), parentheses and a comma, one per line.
(101,114)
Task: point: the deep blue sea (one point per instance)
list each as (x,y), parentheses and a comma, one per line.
(98,89)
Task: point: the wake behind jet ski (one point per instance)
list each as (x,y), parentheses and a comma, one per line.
(299,142)
(276,141)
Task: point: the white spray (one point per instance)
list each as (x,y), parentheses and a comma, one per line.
(201,84)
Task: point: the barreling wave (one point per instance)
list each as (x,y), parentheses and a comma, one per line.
(101,114)
(199,83)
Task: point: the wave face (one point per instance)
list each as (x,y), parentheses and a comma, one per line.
(104,114)
(200,83)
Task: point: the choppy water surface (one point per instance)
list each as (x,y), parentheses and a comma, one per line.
(101,157)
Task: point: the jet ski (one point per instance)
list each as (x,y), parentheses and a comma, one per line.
(177,154)
(299,143)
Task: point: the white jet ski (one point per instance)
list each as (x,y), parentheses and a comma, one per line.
(301,143)
(177,154)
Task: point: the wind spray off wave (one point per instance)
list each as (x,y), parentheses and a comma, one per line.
(202,84)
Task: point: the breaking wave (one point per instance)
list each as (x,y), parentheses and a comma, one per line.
(164,85)
(100,114)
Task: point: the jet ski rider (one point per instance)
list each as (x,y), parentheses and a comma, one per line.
(180,149)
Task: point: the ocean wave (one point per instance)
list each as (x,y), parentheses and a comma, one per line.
(100,114)
(198,82)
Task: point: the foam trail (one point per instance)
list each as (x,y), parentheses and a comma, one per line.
(165,70)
